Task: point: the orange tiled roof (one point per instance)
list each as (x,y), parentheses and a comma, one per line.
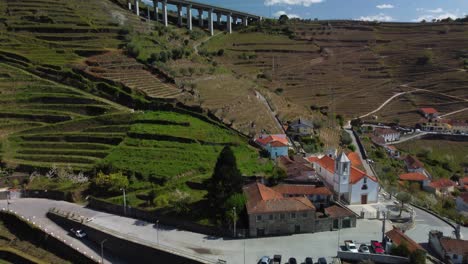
(312,159)
(442,183)
(354,158)
(336,211)
(297,189)
(399,237)
(261,199)
(413,176)
(356,174)
(457,246)
(464,180)
(428,110)
(279,140)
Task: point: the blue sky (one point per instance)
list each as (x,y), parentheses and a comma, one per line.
(382,10)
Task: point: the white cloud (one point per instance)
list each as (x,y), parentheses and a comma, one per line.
(292,2)
(430,17)
(280,13)
(385,6)
(437,10)
(379,17)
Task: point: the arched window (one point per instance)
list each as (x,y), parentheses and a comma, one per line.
(364,187)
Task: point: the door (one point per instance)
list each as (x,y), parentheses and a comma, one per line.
(260,232)
(297,229)
(364,199)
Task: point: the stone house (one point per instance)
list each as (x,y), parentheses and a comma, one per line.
(449,249)
(388,134)
(270,213)
(346,181)
(320,196)
(441,187)
(276,145)
(413,164)
(300,127)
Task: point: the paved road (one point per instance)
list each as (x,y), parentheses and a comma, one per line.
(35,210)
(363,161)
(233,251)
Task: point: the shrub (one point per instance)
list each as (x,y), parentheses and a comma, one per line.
(220,52)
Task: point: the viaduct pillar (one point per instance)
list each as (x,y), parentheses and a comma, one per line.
(200,17)
(210,21)
(137,7)
(189,17)
(218,19)
(129,5)
(164,10)
(156,11)
(245,21)
(229,23)
(179,15)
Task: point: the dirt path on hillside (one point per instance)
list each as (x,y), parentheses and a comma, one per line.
(195,47)
(385,103)
(262,99)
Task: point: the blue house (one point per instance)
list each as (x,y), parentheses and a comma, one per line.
(277,145)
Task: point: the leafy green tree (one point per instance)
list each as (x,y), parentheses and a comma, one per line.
(404,198)
(400,250)
(345,138)
(112,183)
(417,257)
(151,196)
(278,175)
(225,181)
(283,19)
(236,201)
(180,201)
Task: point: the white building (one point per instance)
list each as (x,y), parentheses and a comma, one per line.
(388,134)
(348,182)
(449,249)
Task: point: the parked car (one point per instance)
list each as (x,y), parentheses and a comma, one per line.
(364,248)
(309,260)
(264,260)
(350,246)
(292,261)
(276,259)
(377,247)
(78,233)
(321,261)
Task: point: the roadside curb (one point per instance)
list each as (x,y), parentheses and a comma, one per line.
(436,215)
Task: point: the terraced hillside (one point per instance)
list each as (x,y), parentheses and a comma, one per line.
(118,67)
(350,67)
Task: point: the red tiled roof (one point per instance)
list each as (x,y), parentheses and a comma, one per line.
(391,147)
(464,180)
(428,110)
(356,174)
(442,183)
(413,176)
(336,211)
(281,140)
(399,237)
(261,199)
(354,158)
(413,162)
(312,159)
(278,144)
(296,189)
(456,246)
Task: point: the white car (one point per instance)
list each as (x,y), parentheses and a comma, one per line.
(350,246)
(264,260)
(364,249)
(78,233)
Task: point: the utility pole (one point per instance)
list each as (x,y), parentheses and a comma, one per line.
(383,225)
(157,231)
(124,201)
(234,222)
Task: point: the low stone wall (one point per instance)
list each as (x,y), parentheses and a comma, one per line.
(53,195)
(151,217)
(377,258)
(126,248)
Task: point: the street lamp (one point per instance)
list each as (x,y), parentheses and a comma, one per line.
(8,200)
(124,201)
(157,231)
(102,250)
(234,222)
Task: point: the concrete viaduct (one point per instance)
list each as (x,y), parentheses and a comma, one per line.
(232,16)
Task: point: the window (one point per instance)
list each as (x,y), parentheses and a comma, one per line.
(365,180)
(282,216)
(259,218)
(364,187)
(293,215)
(455,256)
(304,214)
(271,217)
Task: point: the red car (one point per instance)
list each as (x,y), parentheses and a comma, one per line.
(377,247)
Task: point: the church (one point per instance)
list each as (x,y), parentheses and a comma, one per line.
(350,184)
